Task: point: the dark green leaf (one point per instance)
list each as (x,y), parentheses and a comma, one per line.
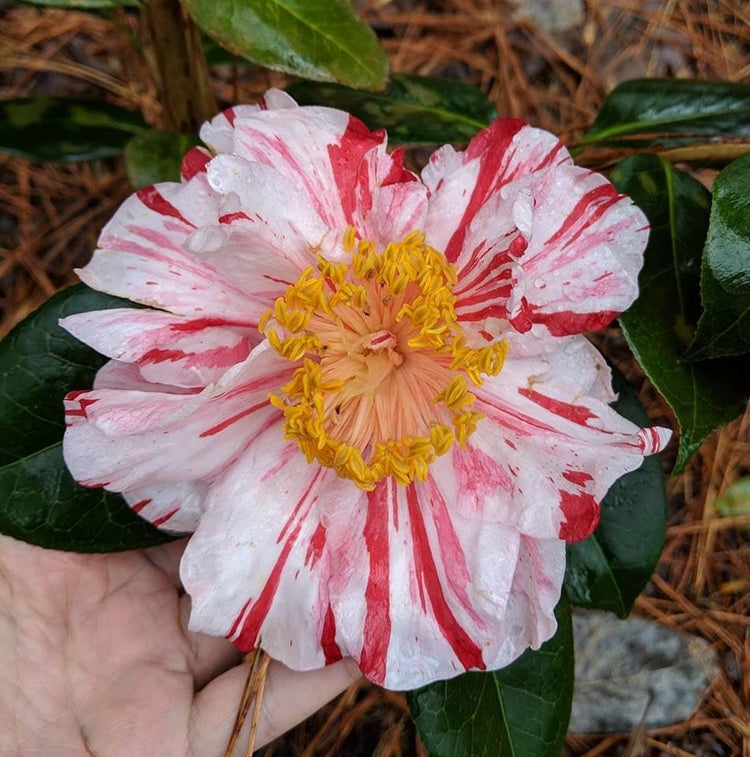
(84,4)
(415,110)
(609,570)
(519,711)
(660,324)
(39,502)
(671,112)
(156,156)
(724,327)
(216,55)
(316,39)
(65,129)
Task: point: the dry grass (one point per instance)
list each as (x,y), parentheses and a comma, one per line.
(51,215)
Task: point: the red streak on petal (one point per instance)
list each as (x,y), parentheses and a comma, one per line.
(377,626)
(575,413)
(490,146)
(581,513)
(577,477)
(290,451)
(231,217)
(213,358)
(153,199)
(229,421)
(451,551)
(491,311)
(652,441)
(70,396)
(331,649)
(229,115)
(509,417)
(300,502)
(518,246)
(233,630)
(138,506)
(248,635)
(567,322)
(346,162)
(397,173)
(81,410)
(277,281)
(604,192)
(157,355)
(164,518)
(467,651)
(198,324)
(195,161)
(317,543)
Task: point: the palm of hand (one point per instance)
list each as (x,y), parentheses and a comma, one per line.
(102,663)
(96,659)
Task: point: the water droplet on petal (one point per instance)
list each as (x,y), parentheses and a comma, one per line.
(205,239)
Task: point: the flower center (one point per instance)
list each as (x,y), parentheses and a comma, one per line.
(381,388)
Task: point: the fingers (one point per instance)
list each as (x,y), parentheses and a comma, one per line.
(166,557)
(212,655)
(289,698)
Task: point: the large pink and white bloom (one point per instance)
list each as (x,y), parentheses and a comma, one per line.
(367,394)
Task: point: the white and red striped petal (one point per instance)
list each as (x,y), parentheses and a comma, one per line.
(115,374)
(166,348)
(174,507)
(293,574)
(321,149)
(437,588)
(258,566)
(123,440)
(218,133)
(142,255)
(499,160)
(548,448)
(390,202)
(585,249)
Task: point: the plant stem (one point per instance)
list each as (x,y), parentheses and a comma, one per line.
(184,84)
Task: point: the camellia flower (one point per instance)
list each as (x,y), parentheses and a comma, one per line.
(367,394)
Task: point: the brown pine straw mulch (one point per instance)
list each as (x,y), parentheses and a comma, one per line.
(50,216)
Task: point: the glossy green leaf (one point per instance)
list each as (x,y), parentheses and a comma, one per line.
(519,711)
(610,569)
(671,112)
(724,327)
(660,324)
(156,156)
(84,4)
(65,129)
(316,39)
(415,110)
(39,502)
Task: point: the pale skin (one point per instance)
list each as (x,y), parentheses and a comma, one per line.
(95,659)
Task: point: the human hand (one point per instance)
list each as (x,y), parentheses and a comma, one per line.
(95,659)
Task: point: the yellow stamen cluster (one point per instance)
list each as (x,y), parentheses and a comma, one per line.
(381,309)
